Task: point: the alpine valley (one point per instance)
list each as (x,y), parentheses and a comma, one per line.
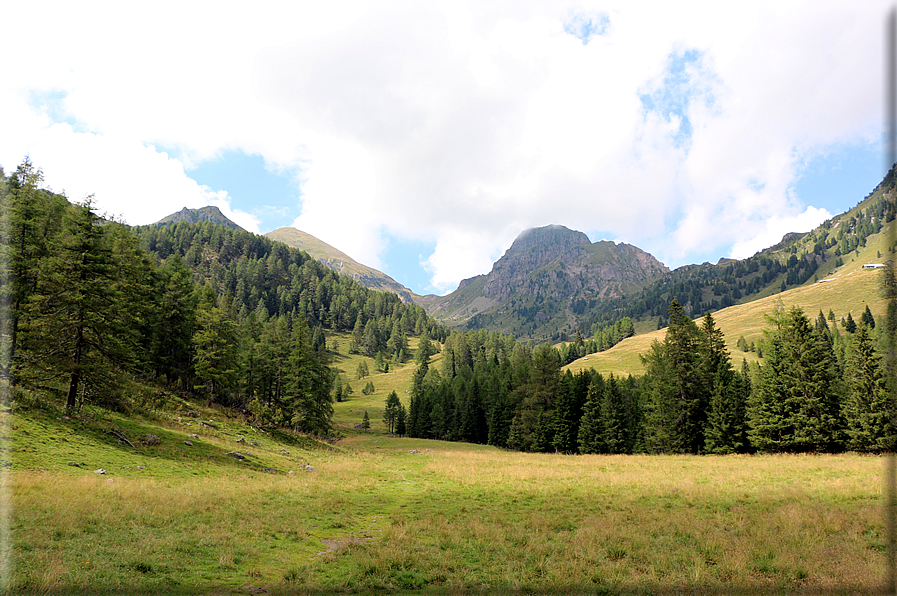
(191,408)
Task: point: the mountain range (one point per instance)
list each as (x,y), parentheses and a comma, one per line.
(553,282)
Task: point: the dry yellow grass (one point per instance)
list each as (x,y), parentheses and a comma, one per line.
(850,290)
(463,518)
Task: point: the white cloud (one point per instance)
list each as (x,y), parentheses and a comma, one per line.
(455,122)
(775,228)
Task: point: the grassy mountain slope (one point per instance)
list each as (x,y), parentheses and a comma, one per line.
(341,262)
(851,288)
(798,260)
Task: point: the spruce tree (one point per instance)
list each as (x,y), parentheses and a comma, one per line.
(391,411)
(215,349)
(850,325)
(591,429)
(566,416)
(724,432)
(308,400)
(868,407)
(175,321)
(867,319)
(401,424)
(678,397)
(797,404)
(614,418)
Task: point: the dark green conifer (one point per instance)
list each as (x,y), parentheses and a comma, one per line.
(868,408)
(797,404)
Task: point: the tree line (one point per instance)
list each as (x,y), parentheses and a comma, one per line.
(691,399)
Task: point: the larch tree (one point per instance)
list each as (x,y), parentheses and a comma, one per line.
(79,322)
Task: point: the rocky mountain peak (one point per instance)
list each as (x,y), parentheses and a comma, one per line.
(546,240)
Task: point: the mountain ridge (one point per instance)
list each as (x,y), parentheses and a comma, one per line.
(209,213)
(553,282)
(340,262)
(544,282)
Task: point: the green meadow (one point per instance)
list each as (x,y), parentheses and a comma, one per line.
(375,513)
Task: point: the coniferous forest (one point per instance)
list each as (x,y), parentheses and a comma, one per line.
(95,307)
(97,310)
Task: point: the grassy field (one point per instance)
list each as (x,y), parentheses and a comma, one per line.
(379,513)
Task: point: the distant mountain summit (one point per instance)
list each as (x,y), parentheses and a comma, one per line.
(203,214)
(546,282)
(341,262)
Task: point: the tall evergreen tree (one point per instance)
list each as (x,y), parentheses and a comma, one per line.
(614,418)
(308,400)
(868,407)
(391,411)
(591,430)
(175,321)
(796,406)
(215,351)
(678,399)
(80,324)
(32,219)
(867,319)
(566,416)
(725,430)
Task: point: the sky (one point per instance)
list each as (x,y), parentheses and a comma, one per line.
(421,138)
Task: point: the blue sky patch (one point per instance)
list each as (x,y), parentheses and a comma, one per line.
(840,177)
(686,79)
(585,27)
(272,197)
(52,103)
(401,260)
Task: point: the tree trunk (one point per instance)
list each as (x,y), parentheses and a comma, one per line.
(73,392)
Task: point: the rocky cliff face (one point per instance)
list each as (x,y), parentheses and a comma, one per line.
(533,249)
(547,281)
(555,262)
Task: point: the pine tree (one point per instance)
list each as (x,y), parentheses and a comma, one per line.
(366,421)
(215,350)
(566,417)
(867,319)
(724,432)
(175,321)
(401,424)
(614,418)
(31,219)
(591,431)
(424,349)
(308,401)
(850,325)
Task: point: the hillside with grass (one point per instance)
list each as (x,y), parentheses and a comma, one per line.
(846,290)
(341,262)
